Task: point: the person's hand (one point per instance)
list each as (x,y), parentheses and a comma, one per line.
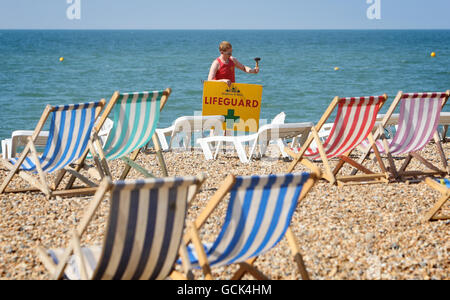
(256,70)
(228,82)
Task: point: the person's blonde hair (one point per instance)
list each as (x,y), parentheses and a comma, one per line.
(224,46)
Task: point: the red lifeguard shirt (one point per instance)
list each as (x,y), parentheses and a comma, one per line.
(225,71)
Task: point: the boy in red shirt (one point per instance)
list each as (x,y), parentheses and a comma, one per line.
(222,68)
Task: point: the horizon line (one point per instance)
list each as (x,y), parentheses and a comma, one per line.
(216,29)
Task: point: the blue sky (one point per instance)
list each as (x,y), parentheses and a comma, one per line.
(231,14)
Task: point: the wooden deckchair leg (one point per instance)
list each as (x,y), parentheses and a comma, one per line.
(355,164)
(59,176)
(431,215)
(437,140)
(214,201)
(25,152)
(72,178)
(160,156)
(78,166)
(84,179)
(96,159)
(135,154)
(340,163)
(25,176)
(296,254)
(247,267)
(46,260)
(186,262)
(376,152)
(132,164)
(44,186)
(14,169)
(192,233)
(392,168)
(444,133)
(405,163)
(243,268)
(103,164)
(427,163)
(87,217)
(127,168)
(202,259)
(175,275)
(378,157)
(77,249)
(445,196)
(298,156)
(323,156)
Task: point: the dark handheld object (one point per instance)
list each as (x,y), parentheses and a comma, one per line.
(257,59)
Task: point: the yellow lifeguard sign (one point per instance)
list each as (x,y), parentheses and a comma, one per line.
(240,104)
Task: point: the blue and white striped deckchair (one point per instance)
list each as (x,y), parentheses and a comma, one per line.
(443,186)
(70,131)
(135,117)
(143,234)
(259,213)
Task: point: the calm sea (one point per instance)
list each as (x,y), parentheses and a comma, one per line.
(297,68)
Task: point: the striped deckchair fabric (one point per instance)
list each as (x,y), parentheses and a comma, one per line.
(70,130)
(143,234)
(443,186)
(418,122)
(69,139)
(258,216)
(136,116)
(417,126)
(354,122)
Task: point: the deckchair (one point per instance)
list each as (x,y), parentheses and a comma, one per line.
(417,125)
(69,137)
(143,234)
(188,125)
(443,186)
(354,122)
(391,127)
(19,138)
(262,138)
(258,216)
(135,117)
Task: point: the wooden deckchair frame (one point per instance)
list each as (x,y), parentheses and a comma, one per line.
(432,215)
(41,183)
(130,161)
(329,174)
(74,246)
(398,174)
(193,234)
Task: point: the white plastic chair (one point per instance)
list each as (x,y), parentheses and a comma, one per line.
(324,132)
(267,133)
(188,125)
(20,138)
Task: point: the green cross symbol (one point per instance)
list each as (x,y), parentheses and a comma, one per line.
(230,118)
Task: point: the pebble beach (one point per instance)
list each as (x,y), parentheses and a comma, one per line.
(372,231)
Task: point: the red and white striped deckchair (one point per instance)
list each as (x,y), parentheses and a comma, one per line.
(354,123)
(417,125)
